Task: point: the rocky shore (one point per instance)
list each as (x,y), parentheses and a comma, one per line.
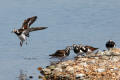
(103,65)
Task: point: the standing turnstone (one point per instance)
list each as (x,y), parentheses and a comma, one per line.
(110,44)
(24,31)
(61,53)
(88,49)
(77,49)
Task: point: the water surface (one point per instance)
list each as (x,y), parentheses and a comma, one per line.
(91,22)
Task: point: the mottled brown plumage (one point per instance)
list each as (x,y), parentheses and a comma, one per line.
(61,53)
(36,28)
(91,48)
(24,31)
(28,22)
(88,49)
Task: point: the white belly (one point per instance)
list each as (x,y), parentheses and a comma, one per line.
(22,37)
(81,52)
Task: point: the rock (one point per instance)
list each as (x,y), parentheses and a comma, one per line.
(45,71)
(52,67)
(64,64)
(115,68)
(56,70)
(100,70)
(59,66)
(40,77)
(99,53)
(70,69)
(107,53)
(80,76)
(116,51)
(39,68)
(84,64)
(104,65)
(93,61)
(115,59)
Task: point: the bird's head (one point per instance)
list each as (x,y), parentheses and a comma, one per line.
(74,45)
(69,48)
(80,45)
(110,40)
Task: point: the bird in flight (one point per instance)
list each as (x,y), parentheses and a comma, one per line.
(24,31)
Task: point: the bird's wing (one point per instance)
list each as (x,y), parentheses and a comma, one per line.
(36,28)
(32,20)
(25,23)
(58,53)
(90,47)
(28,22)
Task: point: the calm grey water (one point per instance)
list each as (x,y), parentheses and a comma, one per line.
(91,22)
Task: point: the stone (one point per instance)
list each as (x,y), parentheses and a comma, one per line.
(80,76)
(100,70)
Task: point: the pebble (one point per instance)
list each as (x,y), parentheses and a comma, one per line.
(56,70)
(103,65)
(46,71)
(84,64)
(80,75)
(100,70)
(70,69)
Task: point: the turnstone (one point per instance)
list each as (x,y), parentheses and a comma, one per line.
(77,49)
(110,44)
(61,53)
(88,49)
(24,31)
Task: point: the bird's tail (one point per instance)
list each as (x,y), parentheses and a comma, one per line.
(96,48)
(52,54)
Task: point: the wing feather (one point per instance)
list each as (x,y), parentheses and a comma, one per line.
(32,20)
(25,23)
(36,28)
(28,22)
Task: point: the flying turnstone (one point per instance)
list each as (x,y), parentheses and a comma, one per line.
(61,53)
(110,44)
(24,31)
(77,49)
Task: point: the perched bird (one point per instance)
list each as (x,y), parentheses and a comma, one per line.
(88,49)
(61,53)
(24,31)
(77,49)
(110,44)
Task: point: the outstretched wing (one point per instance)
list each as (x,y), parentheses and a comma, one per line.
(28,22)
(25,23)
(36,28)
(32,20)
